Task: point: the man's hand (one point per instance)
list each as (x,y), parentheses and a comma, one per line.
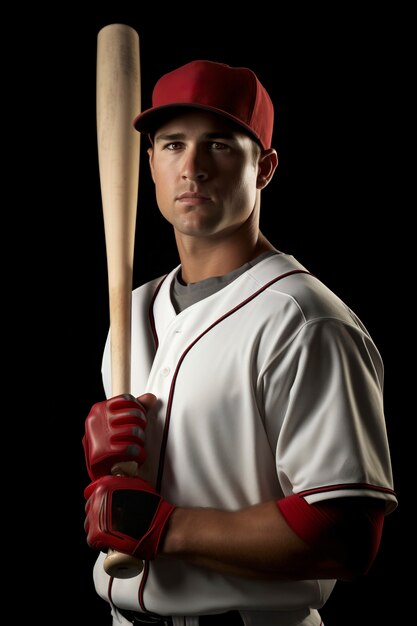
(115,433)
(125,514)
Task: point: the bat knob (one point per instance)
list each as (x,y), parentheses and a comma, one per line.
(122,565)
(127,468)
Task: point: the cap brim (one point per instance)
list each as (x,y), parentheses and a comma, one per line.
(150,120)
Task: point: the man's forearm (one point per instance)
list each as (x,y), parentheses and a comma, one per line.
(255,541)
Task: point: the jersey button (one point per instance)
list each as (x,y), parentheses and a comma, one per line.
(165,371)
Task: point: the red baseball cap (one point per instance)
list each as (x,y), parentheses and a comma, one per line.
(233,92)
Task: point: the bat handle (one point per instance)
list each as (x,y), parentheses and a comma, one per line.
(118,564)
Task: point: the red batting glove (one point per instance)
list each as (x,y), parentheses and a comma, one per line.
(114,433)
(125,514)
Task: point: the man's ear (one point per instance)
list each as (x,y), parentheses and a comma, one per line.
(267,164)
(150,155)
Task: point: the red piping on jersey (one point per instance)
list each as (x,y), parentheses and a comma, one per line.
(174,379)
(192,344)
(151,315)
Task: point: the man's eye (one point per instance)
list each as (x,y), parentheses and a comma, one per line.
(173,145)
(217,145)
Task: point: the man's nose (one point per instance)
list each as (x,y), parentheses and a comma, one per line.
(195,166)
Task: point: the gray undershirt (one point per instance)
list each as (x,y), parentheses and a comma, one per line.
(183,296)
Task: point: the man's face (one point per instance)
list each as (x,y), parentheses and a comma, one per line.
(205,174)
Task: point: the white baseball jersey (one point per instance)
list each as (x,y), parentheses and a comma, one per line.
(269,387)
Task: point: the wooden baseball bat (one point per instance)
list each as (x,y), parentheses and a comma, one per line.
(118,96)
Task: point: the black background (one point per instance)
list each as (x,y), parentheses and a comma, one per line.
(342,201)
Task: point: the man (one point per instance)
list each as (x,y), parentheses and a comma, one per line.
(256,418)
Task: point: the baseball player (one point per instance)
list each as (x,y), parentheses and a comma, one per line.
(256,415)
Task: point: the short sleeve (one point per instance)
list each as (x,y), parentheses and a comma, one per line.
(325,390)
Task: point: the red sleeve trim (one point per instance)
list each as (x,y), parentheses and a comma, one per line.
(356,521)
(307,521)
